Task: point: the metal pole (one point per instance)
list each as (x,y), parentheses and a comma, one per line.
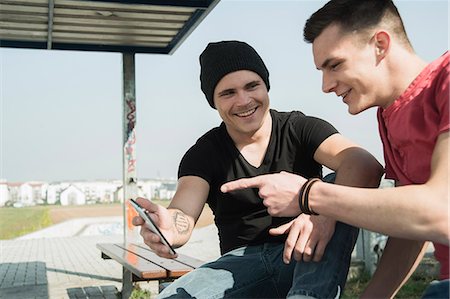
(51,9)
(367,246)
(129,142)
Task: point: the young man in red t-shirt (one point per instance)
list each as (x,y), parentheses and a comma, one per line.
(365,57)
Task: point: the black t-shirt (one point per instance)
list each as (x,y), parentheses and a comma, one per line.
(240,216)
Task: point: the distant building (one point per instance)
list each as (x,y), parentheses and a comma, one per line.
(44,188)
(99,191)
(4,194)
(72,195)
(118,194)
(25,194)
(13,192)
(79,192)
(54,191)
(167,190)
(150,187)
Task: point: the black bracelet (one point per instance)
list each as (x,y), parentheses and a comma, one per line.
(303,197)
(311,212)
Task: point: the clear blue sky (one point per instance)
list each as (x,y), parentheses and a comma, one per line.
(61,111)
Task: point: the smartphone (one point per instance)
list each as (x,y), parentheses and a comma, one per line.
(150,224)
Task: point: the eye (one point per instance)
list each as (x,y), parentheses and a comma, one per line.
(253,85)
(335,66)
(226,93)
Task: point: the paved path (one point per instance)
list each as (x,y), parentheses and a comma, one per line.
(44,266)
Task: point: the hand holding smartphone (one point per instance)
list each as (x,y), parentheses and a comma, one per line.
(150,224)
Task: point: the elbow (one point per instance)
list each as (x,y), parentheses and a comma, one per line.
(435,221)
(445,238)
(439,216)
(436,233)
(442,231)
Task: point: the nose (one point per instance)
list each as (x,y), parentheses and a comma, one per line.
(328,83)
(243,97)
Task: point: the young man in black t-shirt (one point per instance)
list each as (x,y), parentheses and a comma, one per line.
(254,140)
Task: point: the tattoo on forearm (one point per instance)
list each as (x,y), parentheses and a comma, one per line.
(181,223)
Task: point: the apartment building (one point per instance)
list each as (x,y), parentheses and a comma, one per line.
(79,192)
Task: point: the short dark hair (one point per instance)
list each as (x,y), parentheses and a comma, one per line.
(353,15)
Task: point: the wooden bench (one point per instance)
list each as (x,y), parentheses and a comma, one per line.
(141,264)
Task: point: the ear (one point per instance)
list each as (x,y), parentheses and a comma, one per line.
(382,44)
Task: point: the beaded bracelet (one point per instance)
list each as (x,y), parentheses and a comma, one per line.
(303,200)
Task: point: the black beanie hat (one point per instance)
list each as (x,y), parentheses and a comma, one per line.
(221,58)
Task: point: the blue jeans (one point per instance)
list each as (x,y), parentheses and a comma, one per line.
(437,290)
(259,272)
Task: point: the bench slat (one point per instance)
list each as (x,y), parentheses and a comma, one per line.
(174,268)
(183,259)
(137,265)
(187,260)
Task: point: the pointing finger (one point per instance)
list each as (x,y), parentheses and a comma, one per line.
(254,182)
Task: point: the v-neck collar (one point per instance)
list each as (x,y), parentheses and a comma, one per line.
(265,159)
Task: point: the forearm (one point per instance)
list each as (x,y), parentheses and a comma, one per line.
(418,212)
(399,260)
(182,227)
(186,206)
(412,212)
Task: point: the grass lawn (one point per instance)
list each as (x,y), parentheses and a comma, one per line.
(413,288)
(15,222)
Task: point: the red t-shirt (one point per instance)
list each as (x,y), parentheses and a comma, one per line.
(409,129)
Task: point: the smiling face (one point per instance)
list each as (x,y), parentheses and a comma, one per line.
(242,101)
(349,67)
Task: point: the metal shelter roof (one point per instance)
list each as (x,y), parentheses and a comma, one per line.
(139,26)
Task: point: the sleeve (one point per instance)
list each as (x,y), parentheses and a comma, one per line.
(443,97)
(197,161)
(311,132)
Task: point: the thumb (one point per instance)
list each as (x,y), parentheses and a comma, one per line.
(147,204)
(281,230)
